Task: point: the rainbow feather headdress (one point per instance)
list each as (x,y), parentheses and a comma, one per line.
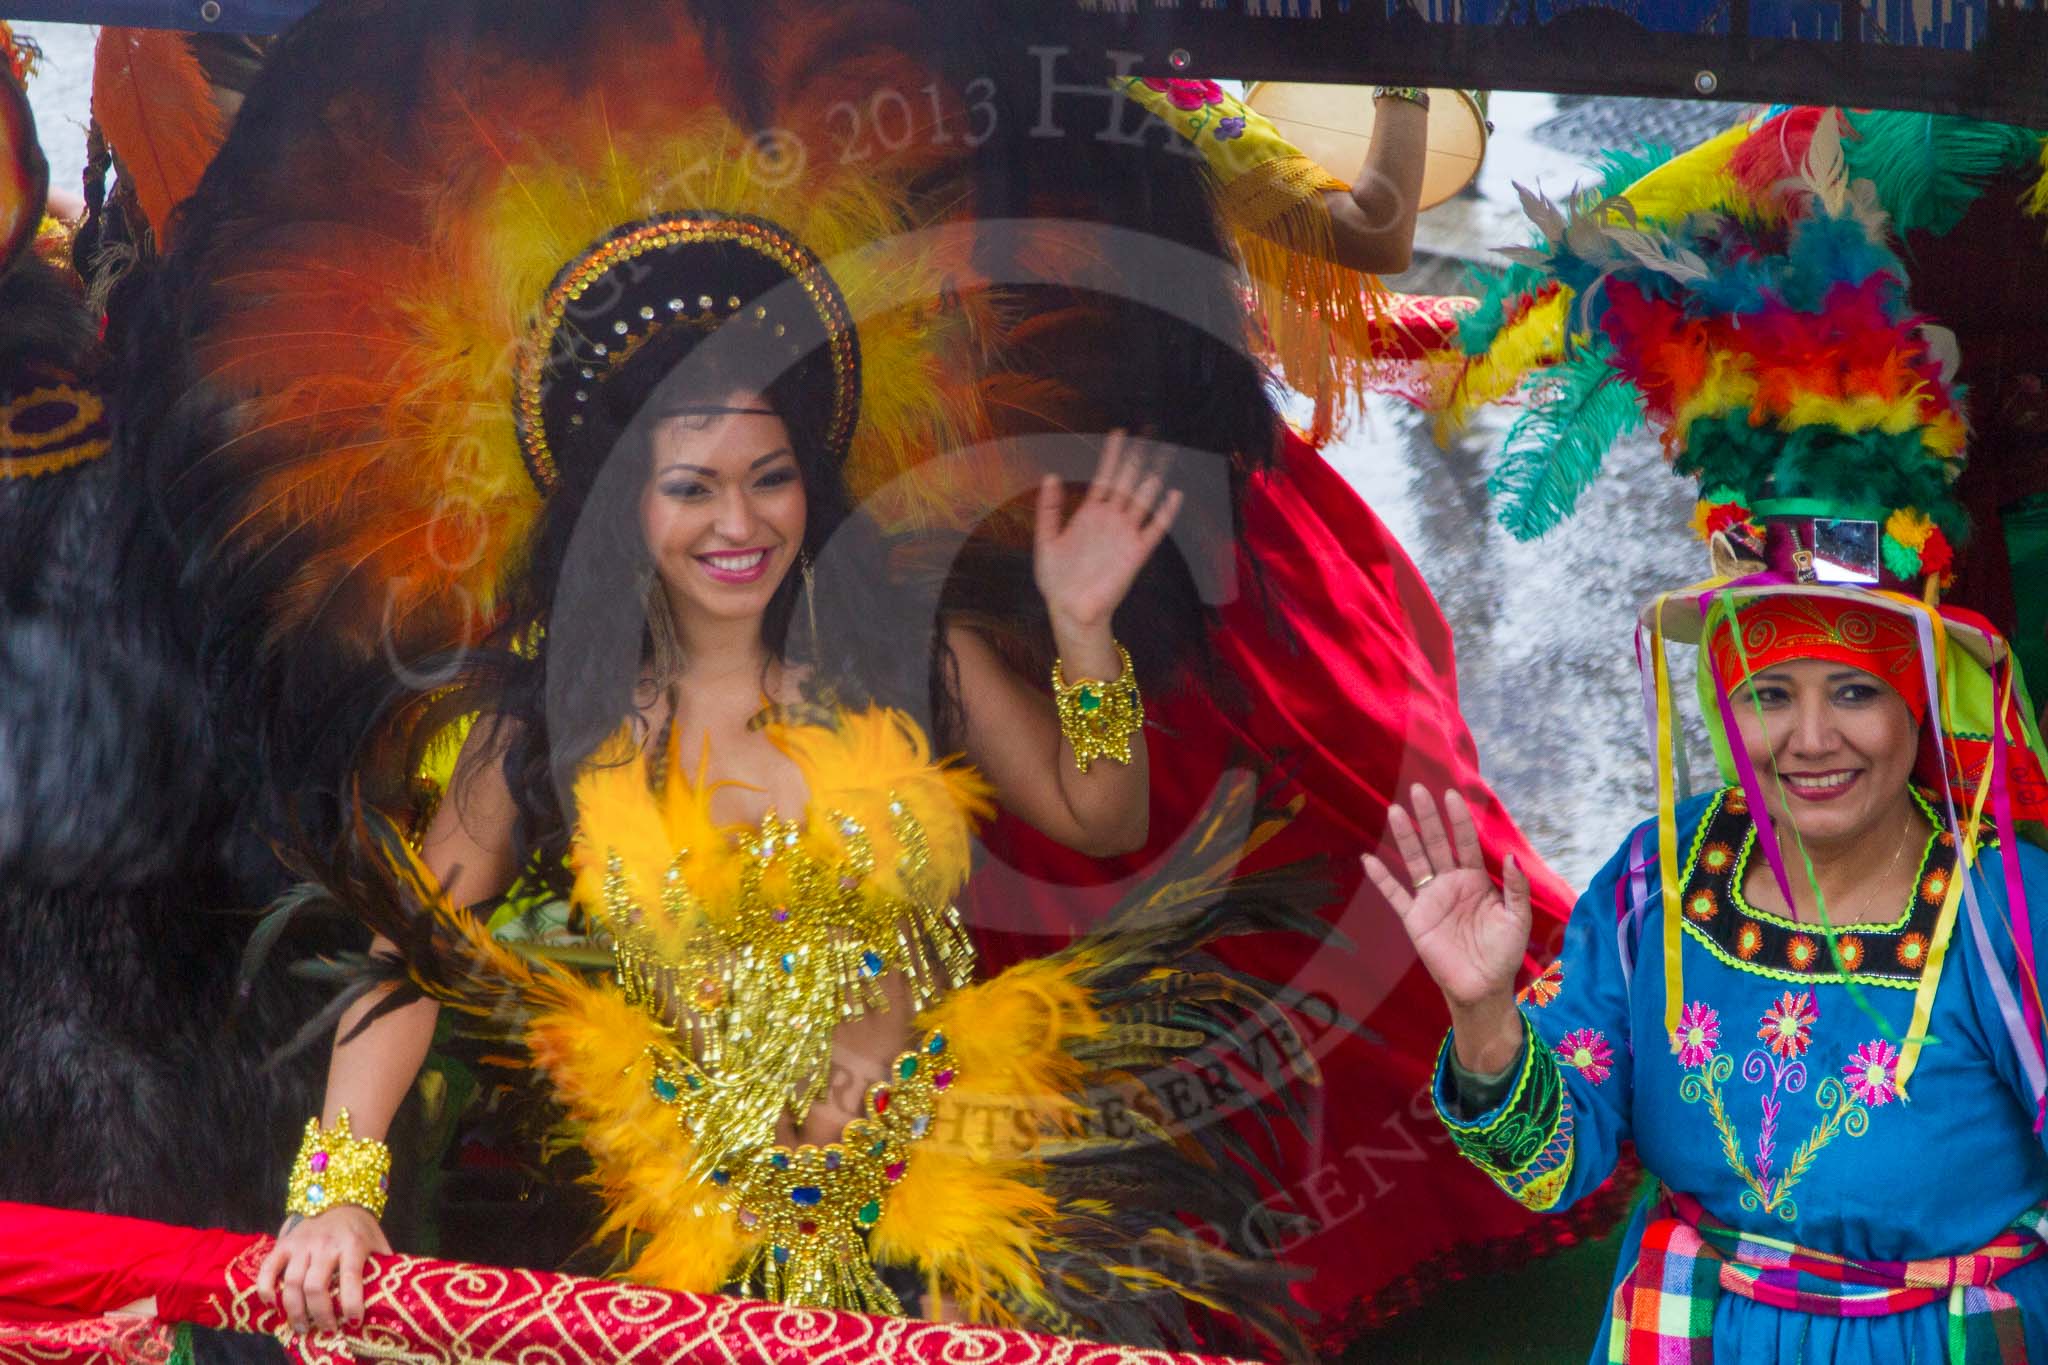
(1771,345)
(1746,300)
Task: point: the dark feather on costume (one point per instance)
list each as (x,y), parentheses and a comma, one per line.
(372,879)
(133,1062)
(42,319)
(1175,1210)
(132,1055)
(135,1082)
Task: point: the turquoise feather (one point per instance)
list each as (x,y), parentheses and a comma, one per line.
(1930,168)
(1555,448)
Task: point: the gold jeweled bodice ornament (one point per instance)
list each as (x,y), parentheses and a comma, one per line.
(751,945)
(811,1206)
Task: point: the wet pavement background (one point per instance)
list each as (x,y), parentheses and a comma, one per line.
(1546,671)
(1544,630)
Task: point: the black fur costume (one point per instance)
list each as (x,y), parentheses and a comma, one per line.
(132,1059)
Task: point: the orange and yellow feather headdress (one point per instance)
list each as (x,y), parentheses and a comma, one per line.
(384,351)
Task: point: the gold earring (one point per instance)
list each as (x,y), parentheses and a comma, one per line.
(806,565)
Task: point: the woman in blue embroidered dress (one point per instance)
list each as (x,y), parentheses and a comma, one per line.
(1810,998)
(1776,1104)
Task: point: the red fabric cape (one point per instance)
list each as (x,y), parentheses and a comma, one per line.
(1364,705)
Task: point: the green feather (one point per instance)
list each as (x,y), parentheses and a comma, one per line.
(1929,169)
(1554,451)
(1824,463)
(1500,294)
(1620,169)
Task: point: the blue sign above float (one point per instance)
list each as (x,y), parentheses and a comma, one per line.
(198,16)
(1986,58)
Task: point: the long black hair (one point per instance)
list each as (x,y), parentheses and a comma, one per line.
(565,668)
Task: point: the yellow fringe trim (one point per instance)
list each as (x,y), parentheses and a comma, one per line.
(971,1210)
(592,1045)
(976,1227)
(853,768)
(1323,321)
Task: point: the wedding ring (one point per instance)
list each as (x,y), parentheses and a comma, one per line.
(1425,881)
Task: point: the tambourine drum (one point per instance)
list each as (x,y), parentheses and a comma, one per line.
(1332,124)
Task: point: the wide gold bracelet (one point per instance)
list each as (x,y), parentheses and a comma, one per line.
(1098,718)
(337,1167)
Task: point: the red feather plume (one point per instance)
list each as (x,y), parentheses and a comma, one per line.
(152,101)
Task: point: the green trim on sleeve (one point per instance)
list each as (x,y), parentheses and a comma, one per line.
(1525,1143)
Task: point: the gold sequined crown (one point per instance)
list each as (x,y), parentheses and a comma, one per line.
(647,294)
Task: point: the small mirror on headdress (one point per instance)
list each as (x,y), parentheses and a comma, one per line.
(1845,551)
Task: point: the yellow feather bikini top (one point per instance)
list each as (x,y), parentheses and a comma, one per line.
(753,942)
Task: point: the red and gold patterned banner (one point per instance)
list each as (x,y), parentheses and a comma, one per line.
(64,1275)
(116,1339)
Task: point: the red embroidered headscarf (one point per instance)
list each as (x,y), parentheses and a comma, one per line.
(1782,627)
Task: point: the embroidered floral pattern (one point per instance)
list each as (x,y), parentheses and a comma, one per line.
(1230,127)
(1849,949)
(1698,1035)
(1189,95)
(1586,1051)
(1724,851)
(1912,951)
(1873,1073)
(1545,987)
(1749,939)
(1787,1027)
(1802,952)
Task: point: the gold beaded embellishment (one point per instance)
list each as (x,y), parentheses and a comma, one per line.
(1098,718)
(604,351)
(810,1207)
(800,947)
(337,1167)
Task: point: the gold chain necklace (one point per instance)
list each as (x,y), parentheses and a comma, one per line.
(1870,896)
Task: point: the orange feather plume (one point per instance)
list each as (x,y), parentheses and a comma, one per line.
(24,175)
(153,103)
(367,344)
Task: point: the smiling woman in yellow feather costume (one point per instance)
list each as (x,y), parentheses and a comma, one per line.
(584,378)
